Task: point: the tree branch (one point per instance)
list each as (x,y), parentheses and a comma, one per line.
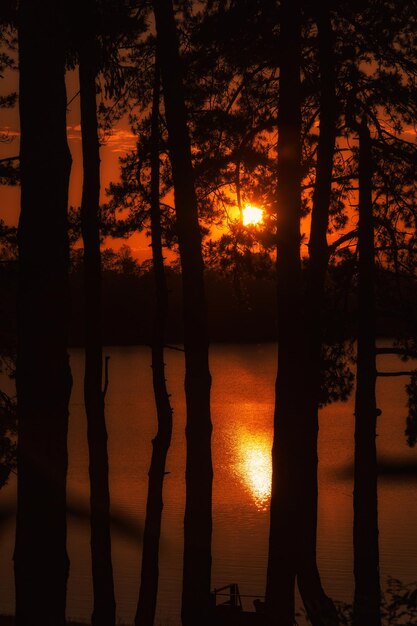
(398,351)
(106,376)
(391,374)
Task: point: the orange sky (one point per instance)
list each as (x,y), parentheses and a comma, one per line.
(121,140)
(117,144)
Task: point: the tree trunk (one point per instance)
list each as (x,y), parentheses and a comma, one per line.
(365,523)
(289,453)
(103,588)
(43,375)
(145,614)
(319,607)
(199,473)
(292,551)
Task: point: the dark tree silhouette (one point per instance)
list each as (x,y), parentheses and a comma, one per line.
(8,427)
(319,607)
(287,468)
(292,547)
(366,608)
(8,414)
(103,587)
(145,614)
(199,473)
(43,374)
(8,169)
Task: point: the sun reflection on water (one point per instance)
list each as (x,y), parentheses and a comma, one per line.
(255,466)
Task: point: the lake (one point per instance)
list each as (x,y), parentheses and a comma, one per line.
(242,413)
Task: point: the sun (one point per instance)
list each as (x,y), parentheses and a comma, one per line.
(252,215)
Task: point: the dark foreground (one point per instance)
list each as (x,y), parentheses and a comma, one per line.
(221,618)
(8,620)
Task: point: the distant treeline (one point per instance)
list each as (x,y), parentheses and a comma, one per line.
(240,309)
(128,308)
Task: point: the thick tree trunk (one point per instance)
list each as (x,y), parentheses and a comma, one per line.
(43,373)
(199,473)
(319,607)
(145,614)
(292,547)
(103,587)
(365,522)
(289,454)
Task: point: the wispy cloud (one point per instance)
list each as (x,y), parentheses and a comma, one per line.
(410,131)
(6,131)
(74,132)
(120,140)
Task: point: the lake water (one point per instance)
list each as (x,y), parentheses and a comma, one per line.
(242,413)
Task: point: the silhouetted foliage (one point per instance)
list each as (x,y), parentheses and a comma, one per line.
(8,412)
(9,172)
(398,605)
(8,432)
(411,421)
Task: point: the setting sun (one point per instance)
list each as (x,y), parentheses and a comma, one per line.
(252,215)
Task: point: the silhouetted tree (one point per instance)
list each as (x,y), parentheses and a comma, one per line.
(8,170)
(382,33)
(366,608)
(103,588)
(8,176)
(199,473)
(145,614)
(8,414)
(43,375)
(319,607)
(287,508)
(292,547)
(7,437)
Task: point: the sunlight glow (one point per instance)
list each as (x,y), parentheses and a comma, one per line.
(255,467)
(252,215)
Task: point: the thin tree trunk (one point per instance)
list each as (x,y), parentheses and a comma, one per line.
(288,452)
(199,473)
(103,588)
(365,522)
(145,614)
(319,607)
(43,374)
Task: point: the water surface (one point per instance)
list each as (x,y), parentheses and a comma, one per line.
(242,411)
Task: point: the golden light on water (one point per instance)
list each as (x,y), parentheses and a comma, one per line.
(252,215)
(255,467)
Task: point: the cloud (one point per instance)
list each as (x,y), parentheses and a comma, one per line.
(410,131)
(120,140)
(6,131)
(74,132)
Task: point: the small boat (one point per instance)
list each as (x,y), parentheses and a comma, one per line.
(229,611)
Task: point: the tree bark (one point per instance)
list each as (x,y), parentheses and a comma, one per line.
(366,609)
(145,614)
(104,610)
(43,374)
(199,473)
